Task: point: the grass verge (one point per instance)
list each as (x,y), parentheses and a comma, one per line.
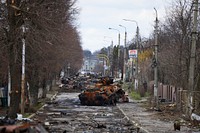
(135,95)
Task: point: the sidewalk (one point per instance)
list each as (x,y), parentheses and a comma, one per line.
(149,121)
(49,96)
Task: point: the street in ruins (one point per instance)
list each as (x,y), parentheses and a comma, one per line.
(65,114)
(107,66)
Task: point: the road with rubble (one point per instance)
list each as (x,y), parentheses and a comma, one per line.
(65,114)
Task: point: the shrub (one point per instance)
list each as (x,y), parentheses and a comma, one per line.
(135,95)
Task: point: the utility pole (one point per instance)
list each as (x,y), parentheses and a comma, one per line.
(156,64)
(124,66)
(137,47)
(119,70)
(192,58)
(118,48)
(111,59)
(23,72)
(119,45)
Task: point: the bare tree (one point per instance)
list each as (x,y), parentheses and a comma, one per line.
(174,45)
(50,35)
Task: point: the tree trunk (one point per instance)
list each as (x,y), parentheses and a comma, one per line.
(14,65)
(44,88)
(34,86)
(15,90)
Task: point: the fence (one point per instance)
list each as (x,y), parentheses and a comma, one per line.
(182,101)
(172,94)
(165,92)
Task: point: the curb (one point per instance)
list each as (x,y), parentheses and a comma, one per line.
(133,122)
(51,98)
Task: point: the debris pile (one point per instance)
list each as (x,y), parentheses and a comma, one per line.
(19,126)
(104,92)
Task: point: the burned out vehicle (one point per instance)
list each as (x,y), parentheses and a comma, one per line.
(105,92)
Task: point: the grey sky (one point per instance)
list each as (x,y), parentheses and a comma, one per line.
(96,16)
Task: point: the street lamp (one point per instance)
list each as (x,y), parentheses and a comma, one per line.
(111,45)
(110,55)
(124,66)
(118,34)
(125,34)
(118,43)
(137,47)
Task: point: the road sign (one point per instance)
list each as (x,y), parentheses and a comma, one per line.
(132,53)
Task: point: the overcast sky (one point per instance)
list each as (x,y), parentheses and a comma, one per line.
(96,16)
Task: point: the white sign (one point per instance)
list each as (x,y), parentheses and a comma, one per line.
(132,53)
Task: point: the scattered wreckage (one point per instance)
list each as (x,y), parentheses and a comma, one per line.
(20,125)
(104,92)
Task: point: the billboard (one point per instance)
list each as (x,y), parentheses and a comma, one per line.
(133,53)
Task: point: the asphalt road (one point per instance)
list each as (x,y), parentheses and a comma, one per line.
(65,114)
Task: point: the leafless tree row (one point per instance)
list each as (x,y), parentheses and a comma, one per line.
(51,39)
(174,40)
